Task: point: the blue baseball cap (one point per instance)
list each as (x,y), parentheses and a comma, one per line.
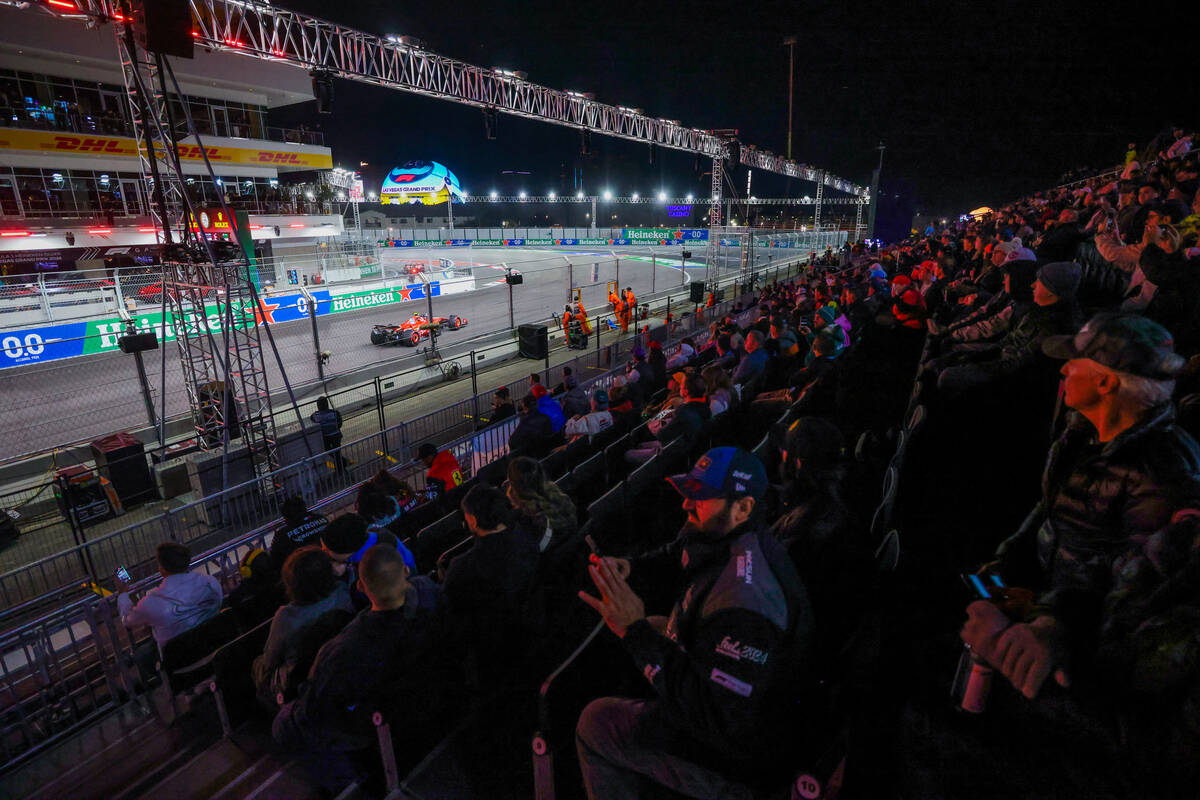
(723,472)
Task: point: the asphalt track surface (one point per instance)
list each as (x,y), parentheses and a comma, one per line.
(63,402)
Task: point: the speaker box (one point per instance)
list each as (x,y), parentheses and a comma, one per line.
(138,342)
(696,291)
(534,341)
(122,459)
(163,26)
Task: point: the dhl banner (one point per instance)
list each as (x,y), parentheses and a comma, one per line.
(122,146)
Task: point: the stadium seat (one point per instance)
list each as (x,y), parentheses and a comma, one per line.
(614,457)
(915,420)
(887,502)
(231,684)
(434,539)
(555,464)
(187,659)
(887,555)
(588,480)
(495,472)
(609,513)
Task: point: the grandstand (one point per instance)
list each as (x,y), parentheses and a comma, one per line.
(940,438)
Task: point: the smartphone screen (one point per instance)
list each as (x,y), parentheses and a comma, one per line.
(974,583)
(123,574)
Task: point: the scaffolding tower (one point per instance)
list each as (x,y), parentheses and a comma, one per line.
(224,371)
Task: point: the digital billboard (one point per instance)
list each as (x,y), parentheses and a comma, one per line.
(425,182)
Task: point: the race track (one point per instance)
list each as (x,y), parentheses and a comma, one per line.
(56,403)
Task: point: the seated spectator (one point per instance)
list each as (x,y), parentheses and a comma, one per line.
(625,416)
(1055,313)
(260,591)
(444,472)
(348,538)
(502,406)
(1120,472)
(755,361)
(179,603)
(300,527)
(384,501)
(686,422)
(657,362)
(718,388)
(596,421)
(819,363)
(486,587)
(727,673)
(684,355)
(534,433)
(575,401)
(1175,303)
(542,511)
(549,407)
(672,399)
(392,655)
(312,591)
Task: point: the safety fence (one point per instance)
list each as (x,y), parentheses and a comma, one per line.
(67,667)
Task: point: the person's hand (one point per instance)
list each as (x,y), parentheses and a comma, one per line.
(659,623)
(617,603)
(934,327)
(620,566)
(1028,654)
(985,623)
(122,587)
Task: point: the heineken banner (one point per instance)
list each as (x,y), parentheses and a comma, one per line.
(630,236)
(53,342)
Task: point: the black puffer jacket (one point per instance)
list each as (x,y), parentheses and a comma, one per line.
(1099,500)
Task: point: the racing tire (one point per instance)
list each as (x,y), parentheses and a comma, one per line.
(456,323)
(378,338)
(414,338)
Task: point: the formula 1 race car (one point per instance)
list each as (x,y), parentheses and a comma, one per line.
(414,329)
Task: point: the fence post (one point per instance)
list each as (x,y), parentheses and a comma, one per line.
(379,403)
(474,391)
(653,272)
(44,297)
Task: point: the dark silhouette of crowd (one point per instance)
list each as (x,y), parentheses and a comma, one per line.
(1024,387)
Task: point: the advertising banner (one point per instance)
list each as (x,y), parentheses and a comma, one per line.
(54,342)
(665,235)
(122,146)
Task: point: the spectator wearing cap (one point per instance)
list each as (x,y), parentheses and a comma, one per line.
(549,406)
(596,421)
(1120,472)
(725,671)
(998,315)
(534,432)
(1055,312)
(348,538)
(1123,256)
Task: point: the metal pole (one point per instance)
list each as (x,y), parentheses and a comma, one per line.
(316,334)
(379,406)
(474,390)
(653,272)
(791,46)
(511,319)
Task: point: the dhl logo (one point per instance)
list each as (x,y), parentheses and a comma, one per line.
(195,151)
(269,157)
(87,145)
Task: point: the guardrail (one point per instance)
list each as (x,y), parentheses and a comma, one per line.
(70,666)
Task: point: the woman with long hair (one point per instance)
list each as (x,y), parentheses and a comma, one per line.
(542,509)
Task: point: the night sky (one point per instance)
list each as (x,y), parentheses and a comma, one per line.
(977,103)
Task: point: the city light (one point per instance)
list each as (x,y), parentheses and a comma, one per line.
(607,194)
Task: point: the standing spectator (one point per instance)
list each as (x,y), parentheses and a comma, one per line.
(726,671)
(1131,153)
(181,602)
(444,472)
(312,591)
(300,527)
(330,420)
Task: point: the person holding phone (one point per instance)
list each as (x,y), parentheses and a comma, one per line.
(181,602)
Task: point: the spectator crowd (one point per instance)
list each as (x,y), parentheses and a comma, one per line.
(1048,500)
